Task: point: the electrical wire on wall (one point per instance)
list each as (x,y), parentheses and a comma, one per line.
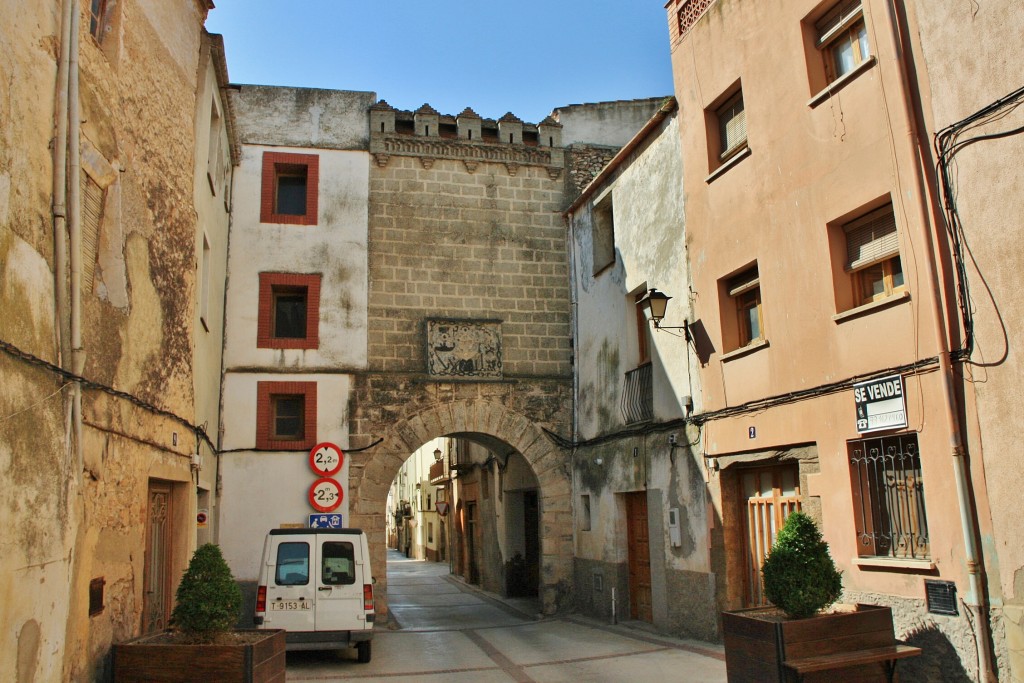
(72,378)
(949,142)
(759,405)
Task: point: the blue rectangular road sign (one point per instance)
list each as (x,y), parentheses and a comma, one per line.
(325,521)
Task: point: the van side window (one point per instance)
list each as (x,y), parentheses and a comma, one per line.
(292,564)
(339,566)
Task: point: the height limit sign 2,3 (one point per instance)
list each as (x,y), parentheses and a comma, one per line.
(325,495)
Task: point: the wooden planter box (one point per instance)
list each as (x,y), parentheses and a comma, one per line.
(757,642)
(148,660)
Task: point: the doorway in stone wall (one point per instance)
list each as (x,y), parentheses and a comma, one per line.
(156,595)
(639,550)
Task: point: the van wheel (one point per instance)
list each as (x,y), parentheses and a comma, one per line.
(363,650)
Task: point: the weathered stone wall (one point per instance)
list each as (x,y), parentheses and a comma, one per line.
(941,637)
(34,547)
(584,162)
(446,242)
(468,231)
(64,527)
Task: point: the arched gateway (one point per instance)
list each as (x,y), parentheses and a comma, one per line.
(371,476)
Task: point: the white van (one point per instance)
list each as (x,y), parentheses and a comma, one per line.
(317,584)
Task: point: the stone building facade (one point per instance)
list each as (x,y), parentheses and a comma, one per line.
(100,268)
(641,525)
(441,307)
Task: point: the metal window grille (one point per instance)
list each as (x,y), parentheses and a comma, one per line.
(889,494)
(638,395)
(690,12)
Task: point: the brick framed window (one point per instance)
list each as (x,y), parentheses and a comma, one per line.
(289,313)
(289,191)
(285,415)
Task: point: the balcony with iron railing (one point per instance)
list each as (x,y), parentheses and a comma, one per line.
(438,473)
(638,395)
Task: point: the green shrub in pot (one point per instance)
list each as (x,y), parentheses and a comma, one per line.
(800,577)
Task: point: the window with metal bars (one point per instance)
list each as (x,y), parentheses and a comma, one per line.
(888,495)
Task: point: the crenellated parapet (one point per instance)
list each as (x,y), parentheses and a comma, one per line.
(468,137)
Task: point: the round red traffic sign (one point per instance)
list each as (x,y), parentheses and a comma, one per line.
(325,495)
(326,459)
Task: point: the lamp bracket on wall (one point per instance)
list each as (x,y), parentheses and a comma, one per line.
(654,304)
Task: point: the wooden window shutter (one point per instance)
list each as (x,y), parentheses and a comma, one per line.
(872,238)
(92,218)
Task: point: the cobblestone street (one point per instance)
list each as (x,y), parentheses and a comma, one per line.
(446,630)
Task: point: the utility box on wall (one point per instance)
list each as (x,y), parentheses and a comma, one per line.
(674,536)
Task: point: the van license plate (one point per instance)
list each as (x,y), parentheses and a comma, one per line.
(288,605)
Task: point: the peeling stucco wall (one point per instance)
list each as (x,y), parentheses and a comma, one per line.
(137,324)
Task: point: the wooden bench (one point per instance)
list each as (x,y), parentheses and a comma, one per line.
(888,655)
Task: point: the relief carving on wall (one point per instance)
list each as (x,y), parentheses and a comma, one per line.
(469,349)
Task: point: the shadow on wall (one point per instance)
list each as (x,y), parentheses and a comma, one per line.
(938,663)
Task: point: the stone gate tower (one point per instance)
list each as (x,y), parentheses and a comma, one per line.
(395,277)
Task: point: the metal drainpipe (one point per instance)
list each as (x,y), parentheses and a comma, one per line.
(968,520)
(59,209)
(75,228)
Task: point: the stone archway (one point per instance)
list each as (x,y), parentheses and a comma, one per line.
(371,474)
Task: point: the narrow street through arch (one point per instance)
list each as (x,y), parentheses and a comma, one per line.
(445,630)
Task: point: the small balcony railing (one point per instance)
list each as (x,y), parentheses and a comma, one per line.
(438,474)
(638,395)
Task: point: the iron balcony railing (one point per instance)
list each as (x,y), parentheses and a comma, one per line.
(437,473)
(638,395)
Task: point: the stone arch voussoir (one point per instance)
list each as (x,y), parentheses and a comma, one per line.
(371,476)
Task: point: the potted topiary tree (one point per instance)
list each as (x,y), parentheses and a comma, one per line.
(202,644)
(802,582)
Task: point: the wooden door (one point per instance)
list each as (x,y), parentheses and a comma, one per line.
(638,539)
(156,597)
(769,494)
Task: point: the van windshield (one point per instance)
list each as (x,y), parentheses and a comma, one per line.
(292,564)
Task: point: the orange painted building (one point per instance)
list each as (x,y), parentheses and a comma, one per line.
(824,312)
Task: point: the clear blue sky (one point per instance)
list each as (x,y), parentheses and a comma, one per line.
(527,57)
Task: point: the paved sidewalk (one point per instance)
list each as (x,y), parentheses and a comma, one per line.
(449,631)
